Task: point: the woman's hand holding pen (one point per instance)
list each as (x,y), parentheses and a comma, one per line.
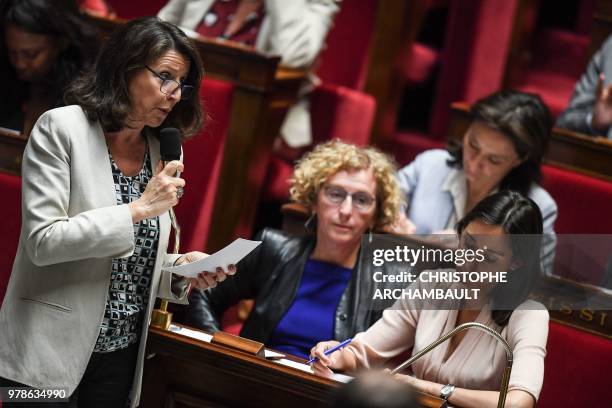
(322,366)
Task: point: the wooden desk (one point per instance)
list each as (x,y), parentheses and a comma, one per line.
(190,373)
(263,93)
(12,145)
(570,150)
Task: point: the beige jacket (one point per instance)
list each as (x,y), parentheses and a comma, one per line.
(295,30)
(71,230)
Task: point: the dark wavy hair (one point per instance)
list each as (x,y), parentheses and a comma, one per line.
(526,121)
(103,91)
(521,220)
(56,18)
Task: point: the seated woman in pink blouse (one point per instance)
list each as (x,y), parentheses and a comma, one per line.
(472,361)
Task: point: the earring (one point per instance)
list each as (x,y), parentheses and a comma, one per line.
(311,223)
(370,236)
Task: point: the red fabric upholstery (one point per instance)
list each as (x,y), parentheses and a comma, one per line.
(421,63)
(559,58)
(276,187)
(10,191)
(136,8)
(554,88)
(336,113)
(202,157)
(576,369)
(408,144)
(583,201)
(344,61)
(339,112)
(474,56)
(560,51)
(230,323)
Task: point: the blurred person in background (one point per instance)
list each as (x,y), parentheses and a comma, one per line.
(45,45)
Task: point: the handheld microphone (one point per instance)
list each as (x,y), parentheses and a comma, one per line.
(170,145)
(170,149)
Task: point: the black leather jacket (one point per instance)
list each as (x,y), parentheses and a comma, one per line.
(271,275)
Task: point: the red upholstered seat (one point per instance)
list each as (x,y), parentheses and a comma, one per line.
(559,58)
(476,46)
(584,202)
(344,61)
(421,63)
(10,191)
(554,88)
(336,113)
(136,8)
(576,369)
(203,155)
(408,144)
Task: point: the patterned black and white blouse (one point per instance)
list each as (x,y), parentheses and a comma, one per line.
(130,283)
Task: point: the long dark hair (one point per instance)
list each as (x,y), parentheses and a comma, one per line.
(56,18)
(526,121)
(103,91)
(521,220)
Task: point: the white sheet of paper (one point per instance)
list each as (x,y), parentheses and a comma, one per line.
(229,255)
(305,367)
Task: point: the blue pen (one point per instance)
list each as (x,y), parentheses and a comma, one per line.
(331,350)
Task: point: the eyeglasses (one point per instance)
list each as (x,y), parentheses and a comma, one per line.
(361,201)
(169,86)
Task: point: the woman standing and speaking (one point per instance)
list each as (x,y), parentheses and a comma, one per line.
(95,224)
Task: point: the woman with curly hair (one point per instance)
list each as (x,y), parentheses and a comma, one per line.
(306,288)
(44,46)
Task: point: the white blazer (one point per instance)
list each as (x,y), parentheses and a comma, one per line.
(71,230)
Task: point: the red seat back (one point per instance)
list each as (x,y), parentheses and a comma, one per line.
(341,113)
(202,156)
(576,369)
(476,46)
(136,8)
(10,191)
(584,202)
(344,61)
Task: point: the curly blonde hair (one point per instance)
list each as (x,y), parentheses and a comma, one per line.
(327,159)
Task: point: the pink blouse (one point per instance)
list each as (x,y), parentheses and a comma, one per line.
(479,359)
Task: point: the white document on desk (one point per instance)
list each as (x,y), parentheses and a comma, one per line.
(229,255)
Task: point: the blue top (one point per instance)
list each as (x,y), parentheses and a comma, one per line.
(310,318)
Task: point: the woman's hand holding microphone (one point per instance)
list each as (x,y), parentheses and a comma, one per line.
(161,193)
